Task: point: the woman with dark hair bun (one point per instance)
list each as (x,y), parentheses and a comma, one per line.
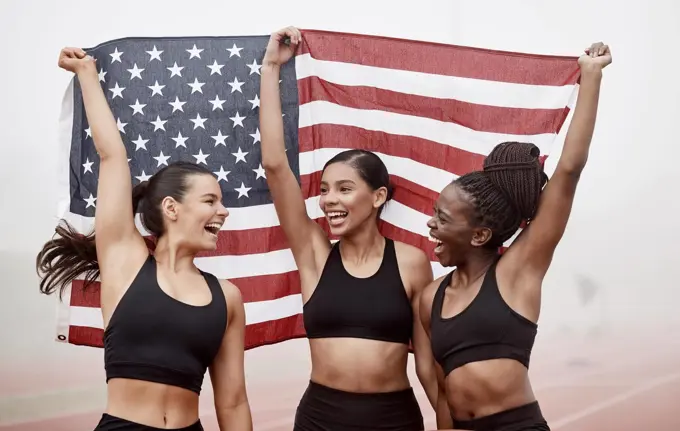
(166,321)
(482,317)
(360,294)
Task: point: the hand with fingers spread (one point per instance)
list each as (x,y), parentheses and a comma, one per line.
(75,60)
(278,52)
(596,58)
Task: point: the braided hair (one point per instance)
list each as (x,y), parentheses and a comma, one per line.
(506,192)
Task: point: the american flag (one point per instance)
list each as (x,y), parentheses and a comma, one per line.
(430,111)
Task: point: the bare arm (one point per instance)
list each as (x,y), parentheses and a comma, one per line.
(442,412)
(439,401)
(535,247)
(114,222)
(299,229)
(227,370)
(420,274)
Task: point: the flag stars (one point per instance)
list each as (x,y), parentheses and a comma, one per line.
(115,56)
(137,107)
(87,166)
(180,141)
(139,143)
(195,52)
(121,125)
(117,91)
(143,177)
(90,201)
(158,124)
(88,132)
(215,68)
(234,51)
(255,136)
(255,102)
(162,159)
(240,156)
(222,175)
(260,172)
(243,191)
(198,122)
(156,89)
(237,119)
(236,85)
(217,103)
(219,138)
(135,72)
(254,68)
(102,73)
(177,105)
(155,54)
(200,157)
(196,86)
(175,70)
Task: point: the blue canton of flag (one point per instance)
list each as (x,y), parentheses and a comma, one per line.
(191,99)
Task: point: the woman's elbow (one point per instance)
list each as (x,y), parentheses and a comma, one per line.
(424,371)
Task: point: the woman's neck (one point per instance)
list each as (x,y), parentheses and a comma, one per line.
(362,245)
(475,266)
(170,255)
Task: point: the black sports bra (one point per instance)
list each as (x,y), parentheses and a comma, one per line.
(376,307)
(154,337)
(487,329)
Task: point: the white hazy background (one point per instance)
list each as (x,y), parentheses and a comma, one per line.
(622,235)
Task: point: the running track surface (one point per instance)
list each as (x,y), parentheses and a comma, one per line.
(623,382)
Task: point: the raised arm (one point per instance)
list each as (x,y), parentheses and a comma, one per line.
(535,247)
(227,370)
(304,236)
(114,220)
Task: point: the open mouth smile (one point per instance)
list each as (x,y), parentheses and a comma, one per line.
(439,244)
(213,228)
(336,218)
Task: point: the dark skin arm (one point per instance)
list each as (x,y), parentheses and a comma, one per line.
(533,250)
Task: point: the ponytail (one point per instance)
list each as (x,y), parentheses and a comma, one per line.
(515,169)
(506,192)
(64,258)
(72,254)
(138,193)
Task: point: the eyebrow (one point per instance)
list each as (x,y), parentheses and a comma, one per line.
(212,195)
(339,182)
(442,212)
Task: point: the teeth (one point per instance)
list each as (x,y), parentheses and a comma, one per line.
(336,214)
(213,228)
(435,240)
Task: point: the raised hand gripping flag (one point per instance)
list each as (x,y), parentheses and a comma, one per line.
(431,111)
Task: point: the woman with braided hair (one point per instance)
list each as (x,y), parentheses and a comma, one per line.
(482,317)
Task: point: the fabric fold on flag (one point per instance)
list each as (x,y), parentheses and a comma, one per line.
(432,112)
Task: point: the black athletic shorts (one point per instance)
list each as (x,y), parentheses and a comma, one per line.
(326,409)
(112,423)
(523,418)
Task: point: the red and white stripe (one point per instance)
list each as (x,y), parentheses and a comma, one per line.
(432,112)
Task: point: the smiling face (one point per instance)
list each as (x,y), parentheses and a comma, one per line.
(197,219)
(347,200)
(452,227)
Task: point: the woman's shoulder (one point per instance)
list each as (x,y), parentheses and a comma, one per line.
(410,255)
